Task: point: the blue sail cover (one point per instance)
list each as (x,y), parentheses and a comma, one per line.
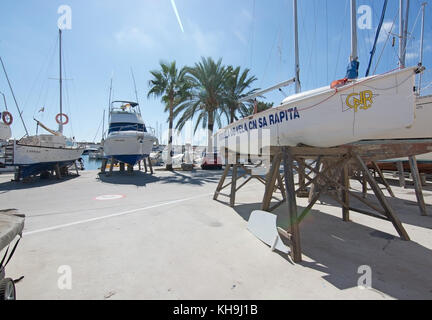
(352,70)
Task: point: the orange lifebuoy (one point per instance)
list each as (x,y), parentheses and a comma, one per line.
(59,119)
(7,118)
(338,83)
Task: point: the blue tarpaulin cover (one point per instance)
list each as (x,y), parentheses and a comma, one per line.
(352,70)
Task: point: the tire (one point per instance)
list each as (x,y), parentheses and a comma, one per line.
(7,289)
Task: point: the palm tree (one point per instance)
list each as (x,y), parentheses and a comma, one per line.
(261,106)
(169,84)
(207,80)
(236,84)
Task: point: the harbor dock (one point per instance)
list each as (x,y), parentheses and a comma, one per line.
(163,236)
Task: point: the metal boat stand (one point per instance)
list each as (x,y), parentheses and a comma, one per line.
(150,166)
(122,166)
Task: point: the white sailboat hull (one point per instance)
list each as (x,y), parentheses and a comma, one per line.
(421,128)
(30,155)
(366,109)
(5,131)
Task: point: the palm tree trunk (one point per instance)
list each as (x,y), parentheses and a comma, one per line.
(210,125)
(232,114)
(170,138)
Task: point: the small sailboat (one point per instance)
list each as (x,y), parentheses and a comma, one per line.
(348,110)
(44,152)
(328,117)
(128,140)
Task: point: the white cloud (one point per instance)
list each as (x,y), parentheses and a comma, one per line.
(385,30)
(246,14)
(206,43)
(133,35)
(412,55)
(240,36)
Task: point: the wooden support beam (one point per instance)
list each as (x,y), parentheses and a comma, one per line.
(111,166)
(331,182)
(233,185)
(149,164)
(76,168)
(381,198)
(281,186)
(57,171)
(221,181)
(384,180)
(104,164)
(270,181)
(399,165)
(122,167)
(296,254)
(417,185)
(345,193)
(364,185)
(302,192)
(313,187)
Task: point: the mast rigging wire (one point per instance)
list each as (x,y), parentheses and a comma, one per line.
(372,53)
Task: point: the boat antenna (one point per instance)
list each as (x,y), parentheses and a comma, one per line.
(110,93)
(109,107)
(13,95)
(136,91)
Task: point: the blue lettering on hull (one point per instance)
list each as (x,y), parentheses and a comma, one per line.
(265,121)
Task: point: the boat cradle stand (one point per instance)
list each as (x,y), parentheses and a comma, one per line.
(113,162)
(418,180)
(328,173)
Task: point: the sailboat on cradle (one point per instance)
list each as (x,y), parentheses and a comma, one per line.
(421,128)
(348,110)
(44,152)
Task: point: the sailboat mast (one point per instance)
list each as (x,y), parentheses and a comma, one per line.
(405,31)
(60,80)
(401,35)
(421,44)
(13,95)
(354,55)
(296,48)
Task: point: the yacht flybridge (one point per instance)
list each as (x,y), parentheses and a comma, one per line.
(128,140)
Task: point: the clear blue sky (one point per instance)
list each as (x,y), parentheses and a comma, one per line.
(110,36)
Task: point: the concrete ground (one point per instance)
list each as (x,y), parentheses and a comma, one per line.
(163,237)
